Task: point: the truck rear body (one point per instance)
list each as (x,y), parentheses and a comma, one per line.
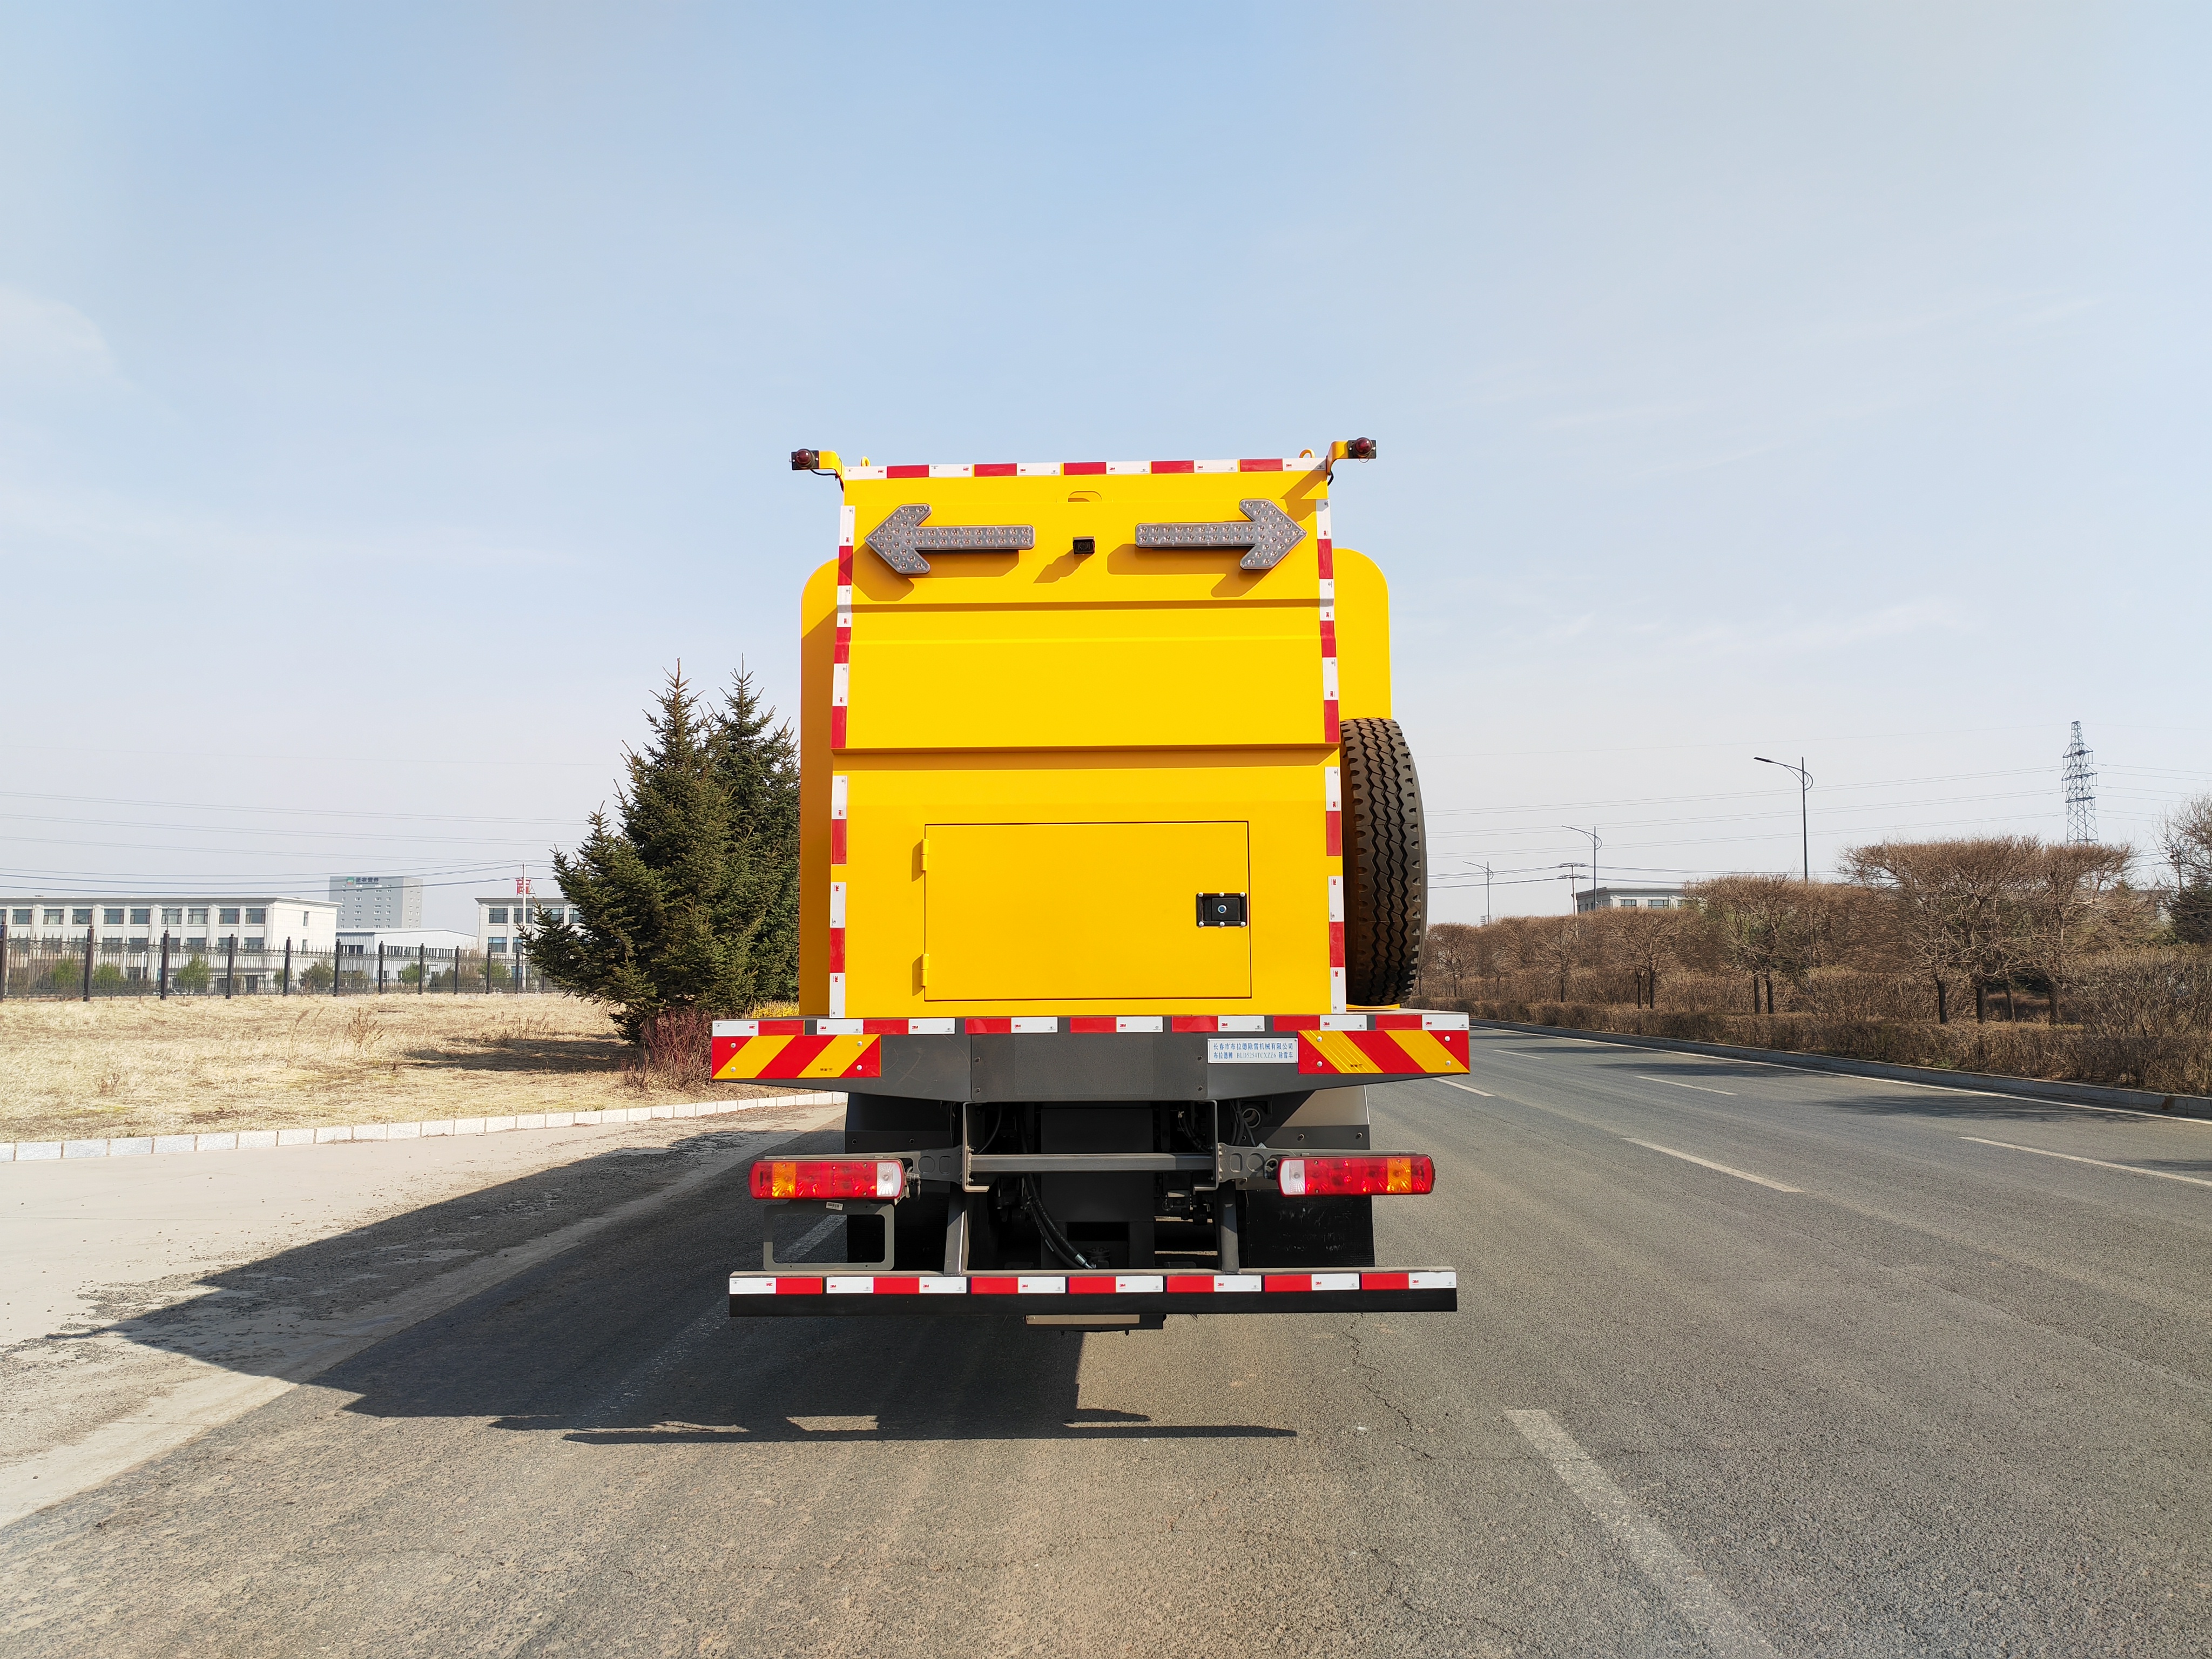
(1080,938)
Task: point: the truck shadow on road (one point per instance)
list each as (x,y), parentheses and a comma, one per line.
(624,1339)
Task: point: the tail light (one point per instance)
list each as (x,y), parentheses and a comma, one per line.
(1353,1177)
(840,1177)
(805,461)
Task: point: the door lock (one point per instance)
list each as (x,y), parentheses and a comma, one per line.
(1222,910)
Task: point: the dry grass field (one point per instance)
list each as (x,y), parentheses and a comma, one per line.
(135,1066)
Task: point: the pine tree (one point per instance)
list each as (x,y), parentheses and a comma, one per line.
(757,757)
(667,898)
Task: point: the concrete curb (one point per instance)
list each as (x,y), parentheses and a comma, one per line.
(231,1141)
(1979,1083)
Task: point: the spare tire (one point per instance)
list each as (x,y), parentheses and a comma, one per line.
(1386,865)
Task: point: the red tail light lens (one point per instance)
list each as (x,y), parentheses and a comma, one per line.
(841,1177)
(1353,1177)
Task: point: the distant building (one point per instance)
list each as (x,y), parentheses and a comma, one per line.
(367,901)
(501,917)
(400,941)
(127,932)
(1631,898)
(195,925)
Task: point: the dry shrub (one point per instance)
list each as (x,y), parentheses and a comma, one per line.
(2145,1018)
(364,1032)
(675,1051)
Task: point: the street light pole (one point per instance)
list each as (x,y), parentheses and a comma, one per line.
(1804,818)
(1594,844)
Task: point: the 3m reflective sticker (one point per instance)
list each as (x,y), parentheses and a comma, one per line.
(1443,1021)
(943,1286)
(750,1285)
(1434,1282)
(736,1028)
(1041,1285)
(1226,1283)
(1242,1023)
(837,1027)
(1035,1023)
(1139,1284)
(1138,1023)
(1344,1022)
(929,1028)
(856,1285)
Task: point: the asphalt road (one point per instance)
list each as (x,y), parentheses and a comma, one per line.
(1891,1378)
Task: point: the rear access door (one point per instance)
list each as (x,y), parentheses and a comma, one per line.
(1065,913)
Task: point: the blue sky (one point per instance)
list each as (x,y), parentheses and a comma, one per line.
(388,397)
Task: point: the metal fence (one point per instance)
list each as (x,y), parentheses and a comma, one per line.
(172,966)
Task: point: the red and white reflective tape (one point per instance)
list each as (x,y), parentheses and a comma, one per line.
(836,949)
(841,672)
(1325,552)
(1117,1023)
(838,793)
(1308,462)
(1332,795)
(1336,944)
(1086,1285)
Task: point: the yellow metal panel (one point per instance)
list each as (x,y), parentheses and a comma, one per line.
(1078,912)
(1104,677)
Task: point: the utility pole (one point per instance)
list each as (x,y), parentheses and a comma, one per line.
(1485,896)
(1804,820)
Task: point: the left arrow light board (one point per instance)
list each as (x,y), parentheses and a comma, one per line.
(901,539)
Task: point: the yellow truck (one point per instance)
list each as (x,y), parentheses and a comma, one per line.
(1114,882)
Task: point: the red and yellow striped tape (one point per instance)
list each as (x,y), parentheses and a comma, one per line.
(1357,1053)
(740,1059)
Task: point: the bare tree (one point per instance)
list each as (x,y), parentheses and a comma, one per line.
(1450,962)
(2185,836)
(2063,906)
(1648,942)
(1958,905)
(1768,925)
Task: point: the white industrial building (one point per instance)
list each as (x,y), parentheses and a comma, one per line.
(365,901)
(1631,898)
(501,917)
(195,925)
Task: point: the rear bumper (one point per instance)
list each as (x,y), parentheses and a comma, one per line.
(1072,1057)
(803,1296)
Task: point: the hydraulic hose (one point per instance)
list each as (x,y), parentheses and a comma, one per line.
(1049,1230)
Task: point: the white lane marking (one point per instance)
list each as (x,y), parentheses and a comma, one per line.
(1699,1087)
(1695,1598)
(1467,1087)
(1706,1163)
(810,1238)
(1816,1072)
(2130,1169)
